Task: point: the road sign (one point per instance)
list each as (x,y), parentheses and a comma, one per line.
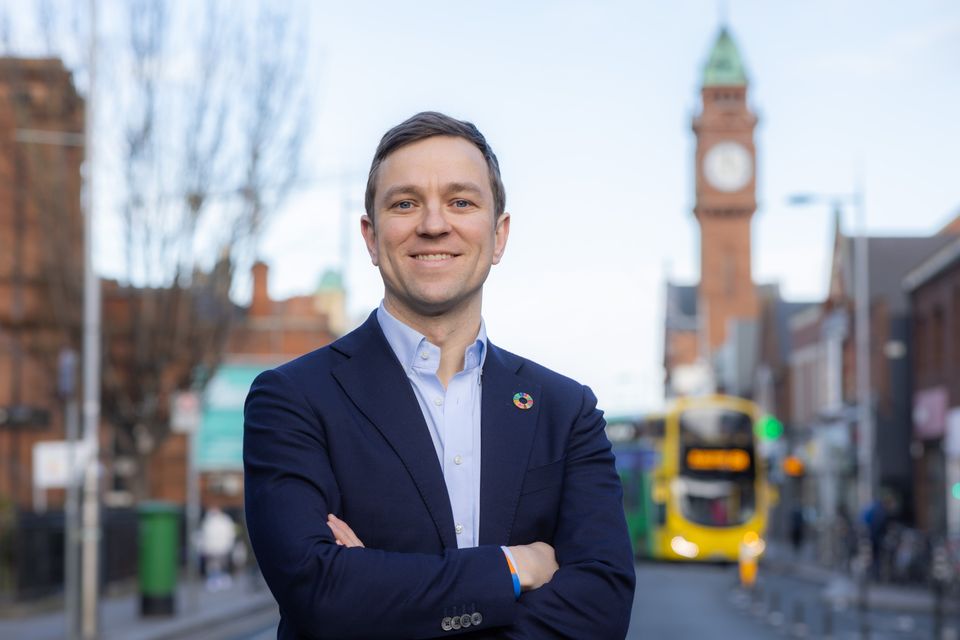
(21,415)
(185,412)
(219,444)
(51,463)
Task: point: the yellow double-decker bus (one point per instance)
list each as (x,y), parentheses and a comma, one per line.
(709,492)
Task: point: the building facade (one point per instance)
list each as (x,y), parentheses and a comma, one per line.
(934,289)
(41,261)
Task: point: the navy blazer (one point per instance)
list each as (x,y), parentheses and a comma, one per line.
(339,430)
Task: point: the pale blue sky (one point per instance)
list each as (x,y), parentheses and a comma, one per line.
(588,106)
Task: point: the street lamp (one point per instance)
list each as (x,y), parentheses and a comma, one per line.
(865,427)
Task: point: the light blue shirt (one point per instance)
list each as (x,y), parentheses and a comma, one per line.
(452,415)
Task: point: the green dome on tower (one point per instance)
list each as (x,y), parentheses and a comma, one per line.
(724,68)
(331,280)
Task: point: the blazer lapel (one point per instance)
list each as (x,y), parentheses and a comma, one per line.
(506,437)
(378,386)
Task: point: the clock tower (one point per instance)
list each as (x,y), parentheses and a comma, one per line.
(725,195)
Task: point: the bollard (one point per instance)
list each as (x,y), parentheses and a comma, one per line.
(749,555)
(757,607)
(862,567)
(775,616)
(940,574)
(826,630)
(799,627)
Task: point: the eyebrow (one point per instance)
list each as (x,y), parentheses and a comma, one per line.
(457,187)
(400,189)
(409,189)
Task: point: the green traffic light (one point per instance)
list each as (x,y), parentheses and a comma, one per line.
(955,490)
(769,428)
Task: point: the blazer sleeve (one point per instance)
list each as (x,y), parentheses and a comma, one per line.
(328,591)
(591,595)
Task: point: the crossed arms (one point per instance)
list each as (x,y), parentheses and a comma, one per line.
(330,590)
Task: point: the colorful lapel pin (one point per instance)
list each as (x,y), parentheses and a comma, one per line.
(523,400)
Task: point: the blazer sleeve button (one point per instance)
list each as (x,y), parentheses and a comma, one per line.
(446,624)
(466,620)
(455,622)
(476,618)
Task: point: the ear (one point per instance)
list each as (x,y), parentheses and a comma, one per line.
(501,232)
(369,232)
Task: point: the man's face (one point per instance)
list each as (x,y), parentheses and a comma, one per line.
(434,237)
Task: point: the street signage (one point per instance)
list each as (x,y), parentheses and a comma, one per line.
(185,412)
(52,463)
(219,442)
(21,415)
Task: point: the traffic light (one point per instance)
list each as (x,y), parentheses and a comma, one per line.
(793,466)
(955,490)
(769,428)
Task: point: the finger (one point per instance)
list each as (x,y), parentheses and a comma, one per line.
(344,532)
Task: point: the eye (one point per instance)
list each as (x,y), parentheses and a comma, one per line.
(460,203)
(403,205)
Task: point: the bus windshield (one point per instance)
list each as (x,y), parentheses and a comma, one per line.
(717,473)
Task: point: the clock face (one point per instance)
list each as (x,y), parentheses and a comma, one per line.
(728,166)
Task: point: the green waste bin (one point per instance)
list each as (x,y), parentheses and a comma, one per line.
(159,542)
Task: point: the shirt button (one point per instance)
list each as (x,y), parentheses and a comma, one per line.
(424,355)
(459,528)
(438,401)
(457,460)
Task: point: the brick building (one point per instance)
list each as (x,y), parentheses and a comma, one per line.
(41,257)
(267,333)
(41,268)
(934,290)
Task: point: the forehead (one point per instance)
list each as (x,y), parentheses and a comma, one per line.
(437,160)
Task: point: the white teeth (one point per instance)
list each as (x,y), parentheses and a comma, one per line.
(433,256)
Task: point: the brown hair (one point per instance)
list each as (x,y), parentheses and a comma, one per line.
(427,124)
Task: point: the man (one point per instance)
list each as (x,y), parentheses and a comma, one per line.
(412,480)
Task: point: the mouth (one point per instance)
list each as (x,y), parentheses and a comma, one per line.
(433,257)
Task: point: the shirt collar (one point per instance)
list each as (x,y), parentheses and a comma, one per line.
(407,342)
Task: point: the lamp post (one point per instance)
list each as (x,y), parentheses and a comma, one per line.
(865,426)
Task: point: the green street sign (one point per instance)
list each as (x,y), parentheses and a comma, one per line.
(219,442)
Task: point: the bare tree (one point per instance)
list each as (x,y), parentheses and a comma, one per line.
(206,114)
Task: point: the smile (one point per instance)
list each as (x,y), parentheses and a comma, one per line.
(433,257)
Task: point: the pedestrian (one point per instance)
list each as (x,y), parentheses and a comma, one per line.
(797,526)
(217,538)
(414,479)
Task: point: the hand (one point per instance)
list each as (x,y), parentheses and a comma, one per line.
(342,532)
(536,564)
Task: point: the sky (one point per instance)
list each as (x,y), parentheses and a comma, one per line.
(588,106)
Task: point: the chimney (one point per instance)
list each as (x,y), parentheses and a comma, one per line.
(260,305)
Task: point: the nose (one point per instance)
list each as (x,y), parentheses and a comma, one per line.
(434,221)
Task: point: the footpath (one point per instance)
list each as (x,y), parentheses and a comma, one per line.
(842,589)
(227,613)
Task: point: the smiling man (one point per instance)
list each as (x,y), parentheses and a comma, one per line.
(412,480)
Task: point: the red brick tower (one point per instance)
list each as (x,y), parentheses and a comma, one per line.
(725,195)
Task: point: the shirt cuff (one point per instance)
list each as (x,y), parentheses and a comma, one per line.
(511,563)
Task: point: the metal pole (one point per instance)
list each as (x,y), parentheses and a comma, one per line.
(71,512)
(865,448)
(193,522)
(90,561)
(71,516)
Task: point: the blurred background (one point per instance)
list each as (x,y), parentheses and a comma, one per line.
(758,200)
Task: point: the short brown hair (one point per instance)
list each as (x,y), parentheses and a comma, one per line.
(427,124)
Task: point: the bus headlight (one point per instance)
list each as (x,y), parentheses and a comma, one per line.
(752,545)
(683,547)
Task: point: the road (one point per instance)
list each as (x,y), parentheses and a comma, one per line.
(705,601)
